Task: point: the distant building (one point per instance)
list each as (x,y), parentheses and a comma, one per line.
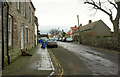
(97,28)
(69,33)
(50,36)
(59,35)
(43,35)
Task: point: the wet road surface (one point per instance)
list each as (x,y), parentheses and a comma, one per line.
(70,63)
(98,61)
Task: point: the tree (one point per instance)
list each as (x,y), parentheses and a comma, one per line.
(63,33)
(54,32)
(98,5)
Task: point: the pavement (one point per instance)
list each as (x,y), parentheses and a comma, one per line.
(38,64)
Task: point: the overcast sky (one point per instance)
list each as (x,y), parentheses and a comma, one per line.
(62,14)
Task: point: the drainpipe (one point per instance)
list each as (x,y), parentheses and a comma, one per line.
(2,38)
(8,56)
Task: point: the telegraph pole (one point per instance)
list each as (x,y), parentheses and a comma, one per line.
(78,19)
(79,29)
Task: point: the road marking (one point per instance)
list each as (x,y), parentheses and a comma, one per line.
(116,52)
(60,69)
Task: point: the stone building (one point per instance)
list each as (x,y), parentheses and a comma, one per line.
(18,30)
(97,28)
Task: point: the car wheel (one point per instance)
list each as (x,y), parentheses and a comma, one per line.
(56,46)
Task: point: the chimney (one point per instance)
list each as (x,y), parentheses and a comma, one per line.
(80,24)
(90,21)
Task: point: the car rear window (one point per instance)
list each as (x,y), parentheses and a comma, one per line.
(51,39)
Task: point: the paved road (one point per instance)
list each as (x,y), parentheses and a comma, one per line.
(83,60)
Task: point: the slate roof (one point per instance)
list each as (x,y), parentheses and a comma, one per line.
(89,26)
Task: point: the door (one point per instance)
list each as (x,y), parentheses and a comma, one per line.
(22,37)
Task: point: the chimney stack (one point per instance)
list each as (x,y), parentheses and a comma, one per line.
(90,21)
(80,24)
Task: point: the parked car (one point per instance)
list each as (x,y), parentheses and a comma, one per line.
(69,40)
(56,39)
(64,39)
(52,43)
(60,39)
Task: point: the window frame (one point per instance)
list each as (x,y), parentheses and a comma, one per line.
(10,28)
(24,12)
(18,5)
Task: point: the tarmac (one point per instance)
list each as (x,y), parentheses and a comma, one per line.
(39,63)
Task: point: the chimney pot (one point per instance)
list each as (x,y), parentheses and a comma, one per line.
(75,26)
(90,21)
(80,24)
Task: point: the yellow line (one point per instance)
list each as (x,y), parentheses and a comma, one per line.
(58,65)
(116,52)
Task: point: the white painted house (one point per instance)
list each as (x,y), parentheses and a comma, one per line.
(36,31)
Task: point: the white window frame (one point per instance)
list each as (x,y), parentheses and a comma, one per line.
(10,23)
(26,35)
(24,12)
(18,5)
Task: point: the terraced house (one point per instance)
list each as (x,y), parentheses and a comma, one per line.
(18,30)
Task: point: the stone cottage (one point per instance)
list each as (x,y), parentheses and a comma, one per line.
(97,28)
(18,29)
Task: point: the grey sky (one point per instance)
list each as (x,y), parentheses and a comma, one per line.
(63,14)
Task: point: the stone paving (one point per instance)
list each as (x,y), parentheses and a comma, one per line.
(38,64)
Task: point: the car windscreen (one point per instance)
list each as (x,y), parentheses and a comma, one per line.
(51,39)
(69,39)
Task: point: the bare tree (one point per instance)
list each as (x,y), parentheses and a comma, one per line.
(54,32)
(98,5)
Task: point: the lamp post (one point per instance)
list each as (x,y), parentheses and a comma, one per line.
(78,19)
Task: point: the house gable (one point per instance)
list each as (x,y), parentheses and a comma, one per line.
(101,29)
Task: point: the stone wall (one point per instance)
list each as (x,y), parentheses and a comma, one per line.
(102,42)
